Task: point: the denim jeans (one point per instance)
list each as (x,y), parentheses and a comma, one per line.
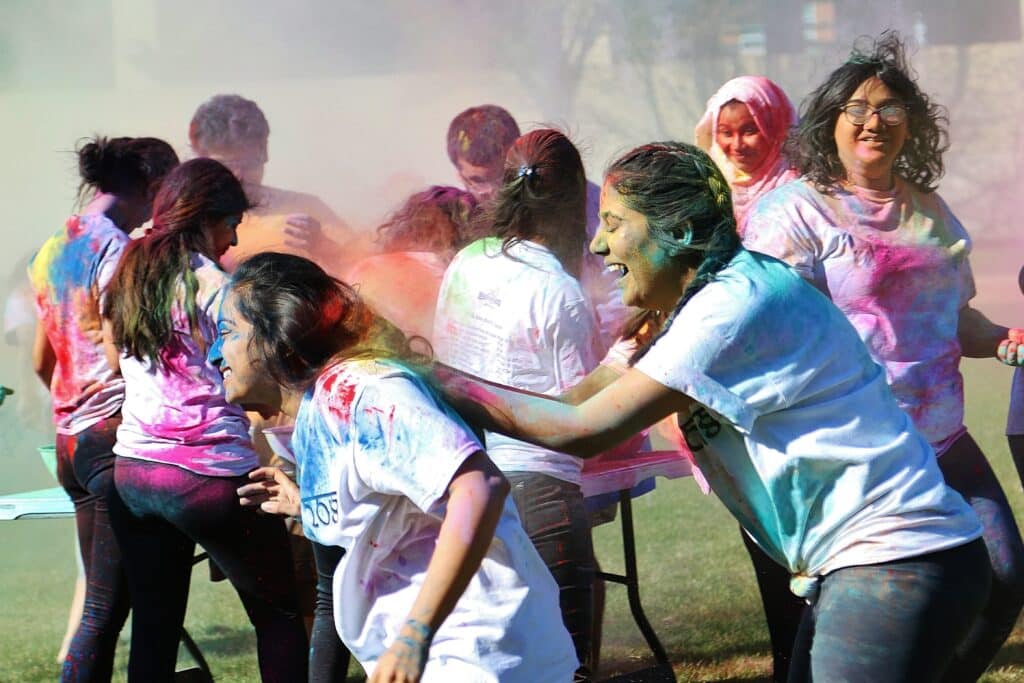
(968,473)
(892,622)
(554,517)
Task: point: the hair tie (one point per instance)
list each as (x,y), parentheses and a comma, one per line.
(525,170)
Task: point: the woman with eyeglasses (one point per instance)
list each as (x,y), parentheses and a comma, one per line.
(865,225)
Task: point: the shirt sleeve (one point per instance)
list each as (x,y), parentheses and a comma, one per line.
(777,227)
(406,443)
(960,251)
(109,260)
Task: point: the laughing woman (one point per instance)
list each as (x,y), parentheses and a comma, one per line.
(438,580)
(775,389)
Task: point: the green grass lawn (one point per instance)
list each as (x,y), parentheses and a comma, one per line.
(696,582)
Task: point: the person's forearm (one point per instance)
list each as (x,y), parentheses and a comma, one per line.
(475,502)
(537,419)
(979,337)
(595,381)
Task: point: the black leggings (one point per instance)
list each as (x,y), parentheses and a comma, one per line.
(328,656)
(162,512)
(85,468)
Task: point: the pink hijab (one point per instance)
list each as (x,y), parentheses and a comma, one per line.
(774,115)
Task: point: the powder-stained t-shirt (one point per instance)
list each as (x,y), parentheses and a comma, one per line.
(376,452)
(518,319)
(797,430)
(69,274)
(176,413)
(896,264)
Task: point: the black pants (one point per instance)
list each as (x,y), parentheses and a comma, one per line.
(85,468)
(162,512)
(328,656)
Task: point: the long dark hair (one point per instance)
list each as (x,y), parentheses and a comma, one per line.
(303,319)
(142,295)
(543,195)
(123,166)
(811,146)
(685,200)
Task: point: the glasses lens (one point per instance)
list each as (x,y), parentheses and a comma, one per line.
(893,114)
(857,113)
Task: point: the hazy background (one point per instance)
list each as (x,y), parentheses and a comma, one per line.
(359,96)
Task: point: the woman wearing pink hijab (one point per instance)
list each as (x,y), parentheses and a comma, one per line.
(743,129)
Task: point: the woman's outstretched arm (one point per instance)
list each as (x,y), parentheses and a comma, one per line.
(619,410)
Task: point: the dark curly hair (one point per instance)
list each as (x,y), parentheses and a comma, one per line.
(437,219)
(812,146)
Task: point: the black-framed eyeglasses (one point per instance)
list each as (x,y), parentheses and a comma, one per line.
(858,113)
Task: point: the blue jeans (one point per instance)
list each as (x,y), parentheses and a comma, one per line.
(554,517)
(85,468)
(897,621)
(968,473)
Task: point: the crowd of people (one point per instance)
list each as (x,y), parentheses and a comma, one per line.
(790,296)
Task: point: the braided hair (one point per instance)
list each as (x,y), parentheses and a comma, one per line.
(686,201)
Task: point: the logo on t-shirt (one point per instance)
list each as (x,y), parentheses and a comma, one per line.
(699,428)
(321,510)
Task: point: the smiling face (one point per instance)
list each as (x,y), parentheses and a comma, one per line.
(246,381)
(649,276)
(868,151)
(739,138)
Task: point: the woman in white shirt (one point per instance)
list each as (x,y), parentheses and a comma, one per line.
(438,579)
(512,310)
(776,390)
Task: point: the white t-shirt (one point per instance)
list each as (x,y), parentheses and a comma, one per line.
(520,320)
(177,414)
(376,452)
(797,431)
(896,264)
